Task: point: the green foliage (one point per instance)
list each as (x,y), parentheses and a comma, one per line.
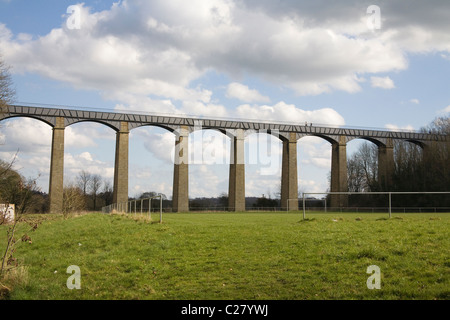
(24,193)
(11,273)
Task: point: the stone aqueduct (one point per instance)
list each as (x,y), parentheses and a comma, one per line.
(122,123)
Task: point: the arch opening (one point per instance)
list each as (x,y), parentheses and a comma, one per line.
(26,145)
(151,150)
(314,163)
(263,160)
(89,159)
(209,166)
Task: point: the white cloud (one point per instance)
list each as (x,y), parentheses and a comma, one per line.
(290,113)
(205,146)
(74,163)
(311,186)
(382,82)
(209,147)
(159,48)
(393,127)
(207,181)
(244,93)
(75,138)
(257,184)
(445,110)
(198,108)
(140,103)
(264,151)
(315,151)
(86,156)
(26,135)
(415,101)
(161,145)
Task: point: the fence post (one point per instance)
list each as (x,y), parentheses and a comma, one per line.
(150,208)
(390,205)
(160,209)
(304,213)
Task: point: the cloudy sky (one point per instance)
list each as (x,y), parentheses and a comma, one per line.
(377,64)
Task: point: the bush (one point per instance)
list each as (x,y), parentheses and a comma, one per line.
(73,200)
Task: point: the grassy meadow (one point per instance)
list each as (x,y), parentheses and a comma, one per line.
(228,256)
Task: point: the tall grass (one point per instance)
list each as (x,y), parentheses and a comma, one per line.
(238,256)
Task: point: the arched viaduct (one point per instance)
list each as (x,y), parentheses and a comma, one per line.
(289,134)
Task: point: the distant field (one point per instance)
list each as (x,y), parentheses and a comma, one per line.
(238,256)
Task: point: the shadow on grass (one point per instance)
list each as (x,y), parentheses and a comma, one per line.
(307,220)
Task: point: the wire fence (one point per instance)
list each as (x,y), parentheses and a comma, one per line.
(389,208)
(142,207)
(305,203)
(322,209)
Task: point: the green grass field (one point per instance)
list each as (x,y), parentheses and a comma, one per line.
(237,256)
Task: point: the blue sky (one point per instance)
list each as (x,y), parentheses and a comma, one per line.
(296,62)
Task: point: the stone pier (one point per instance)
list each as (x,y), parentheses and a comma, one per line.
(339,172)
(180,196)
(236,187)
(386,164)
(120,193)
(289,176)
(56,185)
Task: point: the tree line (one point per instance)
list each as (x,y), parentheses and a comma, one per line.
(416,169)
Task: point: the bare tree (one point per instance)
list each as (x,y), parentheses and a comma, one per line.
(107,193)
(84,180)
(74,200)
(362,168)
(416,167)
(355,172)
(96,183)
(7,95)
(7,92)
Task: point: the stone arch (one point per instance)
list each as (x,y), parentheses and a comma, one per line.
(421,144)
(50,121)
(114,126)
(283,136)
(375,141)
(140,125)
